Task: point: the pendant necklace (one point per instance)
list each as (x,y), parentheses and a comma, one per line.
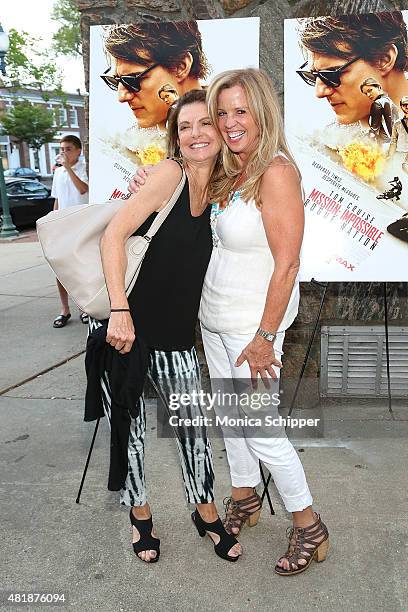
(216,211)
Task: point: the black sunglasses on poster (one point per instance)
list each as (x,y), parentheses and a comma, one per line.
(130,81)
(331,77)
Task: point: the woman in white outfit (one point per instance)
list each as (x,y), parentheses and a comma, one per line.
(251,293)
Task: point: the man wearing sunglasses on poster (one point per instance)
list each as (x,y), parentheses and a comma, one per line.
(147,56)
(343,51)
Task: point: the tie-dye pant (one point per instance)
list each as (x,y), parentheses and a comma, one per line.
(169,372)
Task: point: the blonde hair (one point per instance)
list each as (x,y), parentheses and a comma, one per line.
(264,107)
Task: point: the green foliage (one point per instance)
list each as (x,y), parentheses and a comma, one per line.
(67,40)
(28,66)
(29,123)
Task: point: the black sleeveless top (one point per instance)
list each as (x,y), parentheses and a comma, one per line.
(165,299)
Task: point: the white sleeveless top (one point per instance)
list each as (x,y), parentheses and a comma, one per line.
(239,272)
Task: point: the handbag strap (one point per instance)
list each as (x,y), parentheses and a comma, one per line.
(163,214)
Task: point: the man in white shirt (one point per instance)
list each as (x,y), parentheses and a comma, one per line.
(69,188)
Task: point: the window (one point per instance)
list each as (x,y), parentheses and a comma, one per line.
(54,114)
(353,361)
(4,156)
(73,116)
(14,189)
(62,116)
(34,188)
(54,150)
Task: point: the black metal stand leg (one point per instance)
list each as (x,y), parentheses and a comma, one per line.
(266,490)
(387,349)
(302,371)
(87,461)
(309,346)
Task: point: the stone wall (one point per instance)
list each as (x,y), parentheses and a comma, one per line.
(346,303)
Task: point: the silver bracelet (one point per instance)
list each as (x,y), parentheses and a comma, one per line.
(270,336)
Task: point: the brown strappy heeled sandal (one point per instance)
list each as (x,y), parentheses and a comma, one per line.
(241,511)
(306,543)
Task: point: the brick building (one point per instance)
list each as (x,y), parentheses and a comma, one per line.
(69,118)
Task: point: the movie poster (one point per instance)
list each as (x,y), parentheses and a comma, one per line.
(346,118)
(137,72)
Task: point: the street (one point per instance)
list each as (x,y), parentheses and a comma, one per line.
(356,471)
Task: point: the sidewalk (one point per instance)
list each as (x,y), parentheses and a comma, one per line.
(357,473)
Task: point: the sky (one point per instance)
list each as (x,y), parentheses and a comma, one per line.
(33,16)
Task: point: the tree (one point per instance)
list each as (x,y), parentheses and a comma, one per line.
(29,123)
(29,67)
(67,40)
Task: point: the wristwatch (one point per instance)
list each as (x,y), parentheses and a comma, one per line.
(270,336)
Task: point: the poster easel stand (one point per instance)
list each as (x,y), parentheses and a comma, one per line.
(267,480)
(87,461)
(303,368)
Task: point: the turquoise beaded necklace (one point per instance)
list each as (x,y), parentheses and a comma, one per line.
(216,211)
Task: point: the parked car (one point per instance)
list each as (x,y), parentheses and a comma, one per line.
(29,200)
(22,173)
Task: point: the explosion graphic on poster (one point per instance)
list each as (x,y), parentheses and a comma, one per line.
(364,160)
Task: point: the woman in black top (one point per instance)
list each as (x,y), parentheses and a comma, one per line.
(162,310)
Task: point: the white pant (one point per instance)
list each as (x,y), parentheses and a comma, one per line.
(277,453)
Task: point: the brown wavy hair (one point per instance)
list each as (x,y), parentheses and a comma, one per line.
(367,36)
(164,43)
(173,146)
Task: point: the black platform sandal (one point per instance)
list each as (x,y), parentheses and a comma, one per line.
(147,541)
(227,541)
(61,320)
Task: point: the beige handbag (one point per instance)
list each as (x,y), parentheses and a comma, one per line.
(70,241)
